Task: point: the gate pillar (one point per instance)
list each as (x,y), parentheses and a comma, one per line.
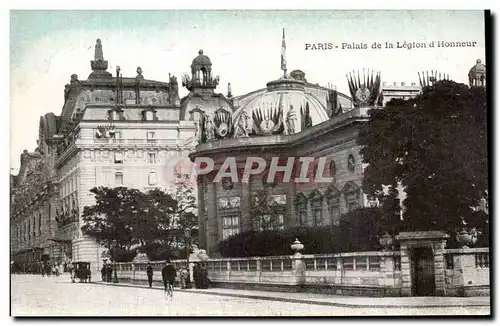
(434,240)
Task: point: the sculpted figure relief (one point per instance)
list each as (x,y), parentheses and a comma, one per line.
(209,127)
(290,121)
(242,124)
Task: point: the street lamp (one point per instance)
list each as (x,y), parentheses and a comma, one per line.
(187,233)
(115,247)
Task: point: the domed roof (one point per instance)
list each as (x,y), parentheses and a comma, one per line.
(201,60)
(477,69)
(286,94)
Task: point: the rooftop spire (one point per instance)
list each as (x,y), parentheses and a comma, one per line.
(98,55)
(283,58)
(99,65)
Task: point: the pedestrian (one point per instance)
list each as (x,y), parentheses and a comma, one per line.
(203,276)
(110,273)
(149,272)
(103,273)
(184,278)
(168,274)
(196,275)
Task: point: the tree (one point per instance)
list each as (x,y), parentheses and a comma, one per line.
(265,212)
(435,147)
(108,221)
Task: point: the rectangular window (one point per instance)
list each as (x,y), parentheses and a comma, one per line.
(119,178)
(150,136)
(149,116)
(265,222)
(152,158)
(230,225)
(152,178)
(352,205)
(118,158)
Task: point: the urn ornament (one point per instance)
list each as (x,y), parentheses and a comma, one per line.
(297,246)
(465,238)
(386,241)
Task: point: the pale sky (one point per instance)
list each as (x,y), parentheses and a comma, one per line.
(46,47)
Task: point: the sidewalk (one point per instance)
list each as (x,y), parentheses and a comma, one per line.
(333,300)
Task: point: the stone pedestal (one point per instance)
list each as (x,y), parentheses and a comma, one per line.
(436,242)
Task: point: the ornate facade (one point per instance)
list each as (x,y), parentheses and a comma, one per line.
(290,118)
(112,131)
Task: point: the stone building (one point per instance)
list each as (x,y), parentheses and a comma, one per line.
(112,131)
(290,118)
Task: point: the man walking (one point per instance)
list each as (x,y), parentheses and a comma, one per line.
(149,272)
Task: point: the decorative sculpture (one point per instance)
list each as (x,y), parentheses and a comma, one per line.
(98,54)
(173,92)
(291,117)
(306,119)
(209,127)
(366,93)
(242,124)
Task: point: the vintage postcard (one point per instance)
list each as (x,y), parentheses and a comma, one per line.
(249,163)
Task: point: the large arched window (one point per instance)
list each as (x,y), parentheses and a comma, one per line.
(301,208)
(316,198)
(332,196)
(351,193)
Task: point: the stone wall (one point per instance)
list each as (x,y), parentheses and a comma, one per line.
(376,273)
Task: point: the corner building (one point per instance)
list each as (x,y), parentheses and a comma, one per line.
(112,131)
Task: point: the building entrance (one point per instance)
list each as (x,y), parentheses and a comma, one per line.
(423,280)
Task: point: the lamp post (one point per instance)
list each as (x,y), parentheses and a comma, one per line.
(115,275)
(187,233)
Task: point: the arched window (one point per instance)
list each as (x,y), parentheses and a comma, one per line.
(332,196)
(316,199)
(301,208)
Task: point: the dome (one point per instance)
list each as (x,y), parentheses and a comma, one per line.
(477,74)
(478,69)
(299,75)
(288,95)
(201,60)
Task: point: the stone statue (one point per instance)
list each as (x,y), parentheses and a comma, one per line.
(74,79)
(209,127)
(173,92)
(242,125)
(290,121)
(98,55)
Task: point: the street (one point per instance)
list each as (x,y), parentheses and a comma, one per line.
(34,295)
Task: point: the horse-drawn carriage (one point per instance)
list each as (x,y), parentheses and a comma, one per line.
(81,270)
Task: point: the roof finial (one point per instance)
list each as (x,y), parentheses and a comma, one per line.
(98,55)
(283,58)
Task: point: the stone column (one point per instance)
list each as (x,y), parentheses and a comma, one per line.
(202,216)
(439,271)
(291,219)
(212,222)
(310,217)
(405,272)
(245,204)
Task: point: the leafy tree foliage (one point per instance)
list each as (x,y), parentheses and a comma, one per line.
(265,212)
(125,219)
(358,231)
(435,146)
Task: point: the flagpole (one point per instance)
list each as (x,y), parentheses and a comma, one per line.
(283,51)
